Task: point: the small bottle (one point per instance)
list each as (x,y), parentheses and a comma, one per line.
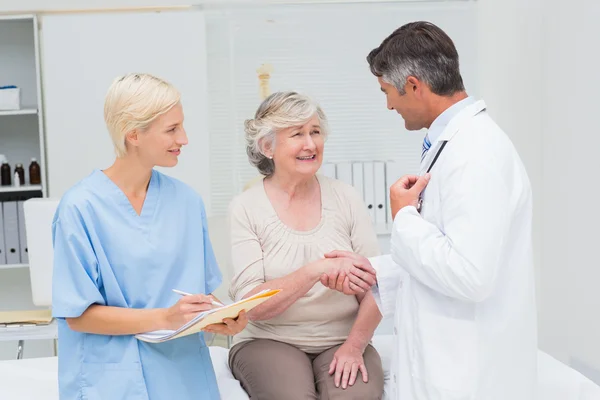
(19,175)
(5,176)
(35,177)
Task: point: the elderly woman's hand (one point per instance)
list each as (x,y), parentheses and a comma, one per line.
(351,274)
(346,363)
(229,327)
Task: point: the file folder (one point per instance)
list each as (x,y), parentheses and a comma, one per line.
(344,172)
(11,232)
(392,174)
(2,247)
(328,170)
(357,179)
(22,235)
(368,180)
(380,195)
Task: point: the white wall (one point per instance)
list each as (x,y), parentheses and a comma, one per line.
(539,78)
(571,273)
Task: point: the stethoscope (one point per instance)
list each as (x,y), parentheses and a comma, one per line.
(420,201)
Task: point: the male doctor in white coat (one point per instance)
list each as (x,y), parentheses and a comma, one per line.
(459,281)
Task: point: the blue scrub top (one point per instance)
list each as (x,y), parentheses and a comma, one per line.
(107,254)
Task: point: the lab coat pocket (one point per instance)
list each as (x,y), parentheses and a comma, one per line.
(113,381)
(446,356)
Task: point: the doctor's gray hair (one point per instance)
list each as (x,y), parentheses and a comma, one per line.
(279,111)
(419,49)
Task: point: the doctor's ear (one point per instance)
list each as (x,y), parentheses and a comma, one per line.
(412,84)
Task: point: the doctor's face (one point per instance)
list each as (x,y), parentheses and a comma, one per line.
(299,149)
(408,105)
(160,144)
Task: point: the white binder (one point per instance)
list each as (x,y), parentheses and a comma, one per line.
(11,232)
(357,179)
(344,172)
(2,247)
(368,179)
(380,195)
(392,174)
(22,234)
(328,170)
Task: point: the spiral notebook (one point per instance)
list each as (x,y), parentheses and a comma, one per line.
(214,316)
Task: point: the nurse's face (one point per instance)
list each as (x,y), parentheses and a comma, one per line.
(299,149)
(160,144)
(410,105)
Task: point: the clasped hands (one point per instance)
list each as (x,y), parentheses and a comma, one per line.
(348,273)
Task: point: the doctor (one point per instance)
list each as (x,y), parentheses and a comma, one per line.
(459,281)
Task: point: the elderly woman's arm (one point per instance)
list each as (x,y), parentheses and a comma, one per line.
(348,359)
(249,276)
(293,287)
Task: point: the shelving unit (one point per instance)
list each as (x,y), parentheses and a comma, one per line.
(11,266)
(21,131)
(21,139)
(25,188)
(23,111)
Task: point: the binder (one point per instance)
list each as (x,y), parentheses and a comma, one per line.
(344,172)
(22,234)
(357,179)
(380,195)
(368,180)
(328,170)
(2,247)
(11,232)
(392,174)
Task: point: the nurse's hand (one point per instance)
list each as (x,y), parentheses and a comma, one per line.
(186,309)
(229,327)
(405,192)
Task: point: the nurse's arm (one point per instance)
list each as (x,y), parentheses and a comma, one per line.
(107,320)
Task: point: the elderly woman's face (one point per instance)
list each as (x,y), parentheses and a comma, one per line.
(299,150)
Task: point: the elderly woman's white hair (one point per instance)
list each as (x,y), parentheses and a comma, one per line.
(133,102)
(279,111)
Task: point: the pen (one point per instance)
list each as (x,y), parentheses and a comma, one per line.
(214,303)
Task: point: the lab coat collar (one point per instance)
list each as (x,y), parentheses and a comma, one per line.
(451,129)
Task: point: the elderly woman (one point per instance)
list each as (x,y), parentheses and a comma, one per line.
(309,341)
(124,237)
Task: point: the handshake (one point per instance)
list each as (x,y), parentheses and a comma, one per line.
(347,272)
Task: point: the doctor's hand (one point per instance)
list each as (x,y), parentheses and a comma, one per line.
(347,361)
(405,192)
(345,281)
(186,309)
(229,327)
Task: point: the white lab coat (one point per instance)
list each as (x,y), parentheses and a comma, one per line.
(459,280)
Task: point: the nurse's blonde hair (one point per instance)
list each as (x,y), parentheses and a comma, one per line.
(133,102)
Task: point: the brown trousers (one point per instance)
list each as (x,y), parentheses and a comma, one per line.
(271,370)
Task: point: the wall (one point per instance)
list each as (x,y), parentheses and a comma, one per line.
(539,79)
(570,211)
